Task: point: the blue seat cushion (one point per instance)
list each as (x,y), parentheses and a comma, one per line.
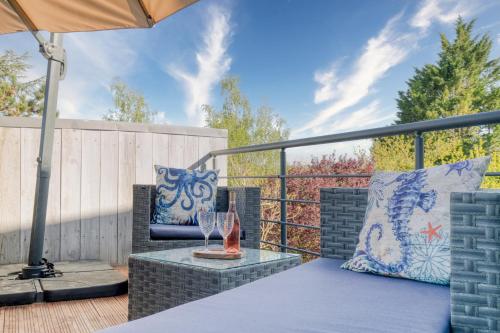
(315,297)
(182,232)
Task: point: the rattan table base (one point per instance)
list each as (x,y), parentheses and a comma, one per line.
(156,285)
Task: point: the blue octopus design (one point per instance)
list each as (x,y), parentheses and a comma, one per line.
(405,198)
(191,183)
(460,166)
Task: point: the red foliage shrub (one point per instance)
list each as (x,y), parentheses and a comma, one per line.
(308,189)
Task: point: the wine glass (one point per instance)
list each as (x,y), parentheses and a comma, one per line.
(225,222)
(207,224)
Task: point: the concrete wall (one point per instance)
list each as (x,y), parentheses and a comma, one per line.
(94,166)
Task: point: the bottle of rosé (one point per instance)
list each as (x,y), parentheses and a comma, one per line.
(233,240)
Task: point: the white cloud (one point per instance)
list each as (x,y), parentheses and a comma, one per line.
(380,54)
(443,11)
(369,116)
(305,154)
(102,55)
(326,80)
(161,118)
(389,48)
(94,59)
(366,117)
(212,61)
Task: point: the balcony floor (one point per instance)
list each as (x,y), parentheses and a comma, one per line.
(71,316)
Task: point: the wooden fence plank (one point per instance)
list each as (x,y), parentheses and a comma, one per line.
(52,243)
(10,195)
(176,151)
(190,151)
(90,200)
(205,146)
(30,143)
(221,161)
(126,178)
(108,214)
(160,151)
(143,158)
(71,164)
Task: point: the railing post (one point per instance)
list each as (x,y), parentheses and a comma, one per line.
(419,151)
(283,198)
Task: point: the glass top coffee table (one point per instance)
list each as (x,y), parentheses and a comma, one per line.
(163,279)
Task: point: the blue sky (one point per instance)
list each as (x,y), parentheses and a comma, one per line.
(325,66)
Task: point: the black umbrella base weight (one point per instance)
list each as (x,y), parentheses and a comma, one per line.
(79,280)
(30,272)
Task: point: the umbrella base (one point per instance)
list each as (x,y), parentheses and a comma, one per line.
(33,272)
(79,280)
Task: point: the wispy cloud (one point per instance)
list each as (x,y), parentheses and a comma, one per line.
(389,48)
(380,53)
(326,81)
(212,61)
(94,59)
(368,116)
(443,11)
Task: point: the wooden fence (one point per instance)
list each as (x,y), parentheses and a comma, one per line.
(94,166)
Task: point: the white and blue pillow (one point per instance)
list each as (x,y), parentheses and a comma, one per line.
(406,232)
(181,193)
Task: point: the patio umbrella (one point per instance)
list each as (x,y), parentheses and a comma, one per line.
(56,17)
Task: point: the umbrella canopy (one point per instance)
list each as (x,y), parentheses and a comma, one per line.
(88,15)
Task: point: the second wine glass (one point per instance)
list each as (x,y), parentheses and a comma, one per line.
(225,223)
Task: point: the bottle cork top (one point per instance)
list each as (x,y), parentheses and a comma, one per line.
(232,196)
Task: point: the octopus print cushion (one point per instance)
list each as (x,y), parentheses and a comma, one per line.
(406,232)
(181,193)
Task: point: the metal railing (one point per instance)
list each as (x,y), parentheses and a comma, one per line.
(418,129)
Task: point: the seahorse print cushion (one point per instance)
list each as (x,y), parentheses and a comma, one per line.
(181,193)
(406,232)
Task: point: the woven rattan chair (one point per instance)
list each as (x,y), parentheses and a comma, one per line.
(475,250)
(247,205)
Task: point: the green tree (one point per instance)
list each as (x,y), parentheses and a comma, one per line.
(246,127)
(18,97)
(463,81)
(130,105)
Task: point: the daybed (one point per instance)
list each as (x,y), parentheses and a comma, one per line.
(321,297)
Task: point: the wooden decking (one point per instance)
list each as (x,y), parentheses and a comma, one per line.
(65,317)
(71,317)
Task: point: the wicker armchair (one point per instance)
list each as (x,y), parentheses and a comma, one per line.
(475,250)
(247,205)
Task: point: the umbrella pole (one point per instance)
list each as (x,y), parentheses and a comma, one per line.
(55,55)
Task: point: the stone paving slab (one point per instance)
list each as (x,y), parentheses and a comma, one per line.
(16,292)
(81,285)
(80,279)
(5,270)
(82,266)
